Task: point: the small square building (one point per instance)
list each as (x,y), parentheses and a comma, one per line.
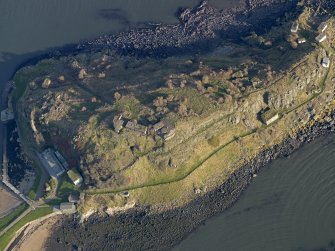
(269,116)
(325,62)
(67,207)
(75,177)
(321,37)
(301,40)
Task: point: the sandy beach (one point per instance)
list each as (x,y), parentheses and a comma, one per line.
(34,236)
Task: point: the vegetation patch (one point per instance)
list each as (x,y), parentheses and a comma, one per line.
(31,216)
(5,221)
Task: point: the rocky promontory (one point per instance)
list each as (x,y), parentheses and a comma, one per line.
(150,134)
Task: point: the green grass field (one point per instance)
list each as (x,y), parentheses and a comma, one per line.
(5,221)
(33,215)
(65,188)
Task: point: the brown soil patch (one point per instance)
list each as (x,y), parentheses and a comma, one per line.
(35,235)
(8,202)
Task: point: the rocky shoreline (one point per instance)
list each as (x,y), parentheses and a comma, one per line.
(199,28)
(141,229)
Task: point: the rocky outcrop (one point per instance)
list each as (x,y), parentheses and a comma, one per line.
(199,27)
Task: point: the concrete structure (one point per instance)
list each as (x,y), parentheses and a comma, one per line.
(51,163)
(62,160)
(325,62)
(137,127)
(7,115)
(272,119)
(321,37)
(168,133)
(322,27)
(118,123)
(67,207)
(75,177)
(295,27)
(165,128)
(73,198)
(125,194)
(269,116)
(158,126)
(301,40)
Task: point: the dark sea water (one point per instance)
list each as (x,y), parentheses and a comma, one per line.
(289,206)
(29,27)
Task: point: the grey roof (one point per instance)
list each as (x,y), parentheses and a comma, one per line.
(67,206)
(73,198)
(51,163)
(61,159)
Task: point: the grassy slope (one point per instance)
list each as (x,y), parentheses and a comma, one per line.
(33,215)
(5,221)
(231,152)
(184,172)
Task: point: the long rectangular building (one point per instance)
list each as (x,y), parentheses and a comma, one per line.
(62,160)
(51,163)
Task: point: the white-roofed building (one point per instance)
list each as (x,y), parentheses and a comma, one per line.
(322,27)
(325,62)
(321,37)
